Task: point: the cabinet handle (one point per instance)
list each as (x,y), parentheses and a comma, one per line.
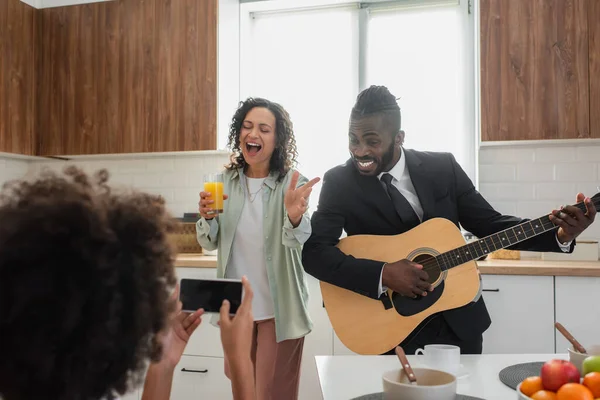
(202,371)
(491,290)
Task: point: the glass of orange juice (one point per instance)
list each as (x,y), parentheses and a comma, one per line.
(213,184)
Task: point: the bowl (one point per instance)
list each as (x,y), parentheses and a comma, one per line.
(577,358)
(431,384)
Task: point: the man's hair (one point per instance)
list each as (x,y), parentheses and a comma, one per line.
(377,100)
(85,276)
(285,153)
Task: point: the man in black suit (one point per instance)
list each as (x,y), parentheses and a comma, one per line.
(384,189)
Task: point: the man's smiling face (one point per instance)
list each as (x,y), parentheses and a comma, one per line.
(374,143)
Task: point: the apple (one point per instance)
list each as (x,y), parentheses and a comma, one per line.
(591,364)
(556,373)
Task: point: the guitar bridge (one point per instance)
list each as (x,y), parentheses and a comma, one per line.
(387,301)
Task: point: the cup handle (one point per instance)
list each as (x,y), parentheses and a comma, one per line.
(419,352)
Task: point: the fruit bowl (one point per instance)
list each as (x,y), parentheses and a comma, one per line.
(560,379)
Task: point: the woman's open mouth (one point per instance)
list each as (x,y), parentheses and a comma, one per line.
(253,148)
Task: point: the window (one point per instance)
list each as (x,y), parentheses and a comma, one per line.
(314,59)
(306,61)
(419,54)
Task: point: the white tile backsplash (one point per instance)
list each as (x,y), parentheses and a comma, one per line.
(499,173)
(526,181)
(493,155)
(551,154)
(538,172)
(178,178)
(12,168)
(547,176)
(577,171)
(588,153)
(507,191)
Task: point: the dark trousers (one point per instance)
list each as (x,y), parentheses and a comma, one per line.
(437,331)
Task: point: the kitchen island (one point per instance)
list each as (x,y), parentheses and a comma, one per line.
(348,377)
(524,299)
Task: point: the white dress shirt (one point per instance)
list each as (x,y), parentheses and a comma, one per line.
(401,180)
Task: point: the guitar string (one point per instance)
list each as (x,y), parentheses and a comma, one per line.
(432,264)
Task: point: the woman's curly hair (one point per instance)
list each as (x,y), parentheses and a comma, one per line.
(85,281)
(285,153)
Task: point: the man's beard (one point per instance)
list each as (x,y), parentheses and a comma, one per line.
(382,163)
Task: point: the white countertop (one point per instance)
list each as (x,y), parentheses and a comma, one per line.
(347,377)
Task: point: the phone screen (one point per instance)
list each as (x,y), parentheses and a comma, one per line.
(209,294)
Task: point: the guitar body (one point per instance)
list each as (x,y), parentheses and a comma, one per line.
(369,326)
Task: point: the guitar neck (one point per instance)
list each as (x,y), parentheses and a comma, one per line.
(506,238)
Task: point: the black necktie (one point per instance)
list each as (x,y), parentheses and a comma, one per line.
(403,208)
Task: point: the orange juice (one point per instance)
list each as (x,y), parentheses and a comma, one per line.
(216,193)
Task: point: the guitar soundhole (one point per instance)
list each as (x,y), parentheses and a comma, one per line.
(429,265)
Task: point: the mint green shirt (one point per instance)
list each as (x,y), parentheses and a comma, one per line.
(282,244)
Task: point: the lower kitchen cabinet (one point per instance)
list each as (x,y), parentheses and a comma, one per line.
(576,302)
(522,312)
(200,378)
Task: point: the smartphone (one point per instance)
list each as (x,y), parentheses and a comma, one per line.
(209,294)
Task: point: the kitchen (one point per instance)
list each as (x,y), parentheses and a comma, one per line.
(72,74)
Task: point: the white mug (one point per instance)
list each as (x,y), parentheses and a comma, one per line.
(444,357)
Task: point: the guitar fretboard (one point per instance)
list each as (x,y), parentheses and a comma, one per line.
(497,241)
(501,240)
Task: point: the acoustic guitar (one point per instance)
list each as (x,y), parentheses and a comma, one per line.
(375,326)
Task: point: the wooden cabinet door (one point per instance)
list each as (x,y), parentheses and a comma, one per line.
(534,69)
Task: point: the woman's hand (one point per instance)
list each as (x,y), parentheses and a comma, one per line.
(204,203)
(236,331)
(295,199)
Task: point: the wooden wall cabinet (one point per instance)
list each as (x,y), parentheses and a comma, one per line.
(540,62)
(17,77)
(122,76)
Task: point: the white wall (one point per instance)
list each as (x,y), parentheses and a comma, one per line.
(533,178)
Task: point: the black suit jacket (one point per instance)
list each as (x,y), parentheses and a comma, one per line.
(359,205)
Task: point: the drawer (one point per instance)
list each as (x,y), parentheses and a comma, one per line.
(200,378)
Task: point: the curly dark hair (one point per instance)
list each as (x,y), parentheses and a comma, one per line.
(285,153)
(85,277)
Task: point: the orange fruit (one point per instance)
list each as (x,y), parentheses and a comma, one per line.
(543,395)
(574,391)
(531,385)
(592,382)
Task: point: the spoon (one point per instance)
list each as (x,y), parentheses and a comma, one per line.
(576,345)
(406,365)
